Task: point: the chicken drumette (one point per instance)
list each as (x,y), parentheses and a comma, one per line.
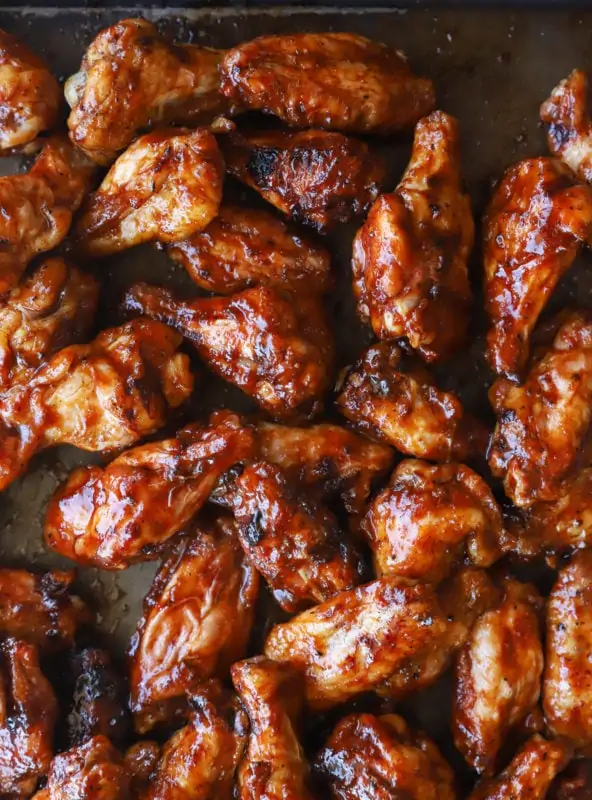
(410,256)
(567,114)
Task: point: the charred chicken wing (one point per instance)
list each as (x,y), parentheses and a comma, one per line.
(312,176)
(410,256)
(567,114)
(381,758)
(536,222)
(131,78)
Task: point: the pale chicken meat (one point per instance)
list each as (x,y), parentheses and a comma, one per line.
(540,437)
(385,636)
(274,766)
(131,78)
(245,247)
(410,256)
(382,758)
(166,186)
(430,518)
(314,176)
(113,516)
(398,403)
(49,309)
(197,621)
(339,81)
(276,350)
(567,115)
(101,396)
(497,675)
(536,223)
(36,207)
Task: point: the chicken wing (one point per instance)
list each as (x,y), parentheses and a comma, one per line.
(567,685)
(276,351)
(410,256)
(113,516)
(543,423)
(497,675)
(294,542)
(315,177)
(573,784)
(339,81)
(385,636)
(246,247)
(141,760)
(29,95)
(381,758)
(197,621)
(36,207)
(28,712)
(101,396)
(166,186)
(567,114)
(529,774)
(131,78)
(536,222)
(399,404)
(274,766)
(430,518)
(50,309)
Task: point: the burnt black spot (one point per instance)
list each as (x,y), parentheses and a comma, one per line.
(262,164)
(253,532)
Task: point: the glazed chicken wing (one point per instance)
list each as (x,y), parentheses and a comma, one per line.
(101,396)
(29,95)
(245,247)
(277,351)
(535,225)
(381,758)
(131,78)
(575,783)
(166,186)
(400,405)
(113,516)
(385,636)
(429,518)
(197,621)
(315,177)
(340,81)
(274,766)
(567,114)
(497,675)
(36,207)
(410,256)
(48,310)
(543,423)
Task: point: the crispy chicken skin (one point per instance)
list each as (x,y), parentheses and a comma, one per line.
(410,256)
(529,774)
(497,675)
(274,766)
(131,78)
(567,686)
(537,220)
(567,114)
(339,81)
(276,350)
(166,186)
(197,621)
(430,518)
(381,758)
(294,542)
(399,404)
(199,762)
(36,207)
(29,95)
(385,636)
(113,516)
(543,423)
(50,309)
(101,396)
(245,247)
(314,177)
(28,712)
